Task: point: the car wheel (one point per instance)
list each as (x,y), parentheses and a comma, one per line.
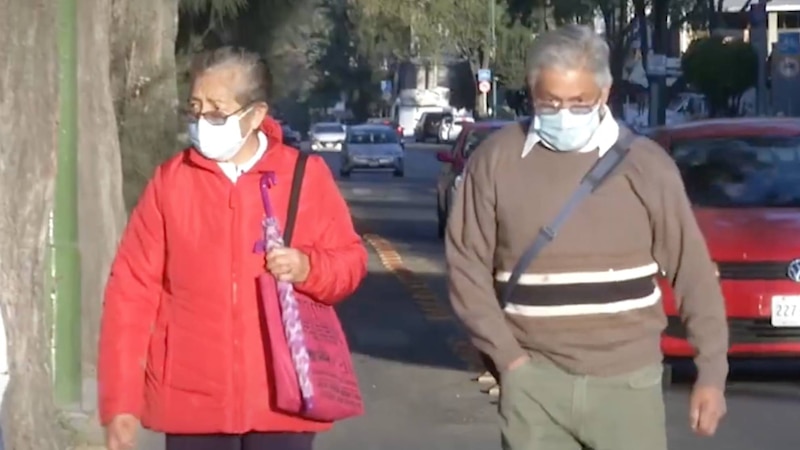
(399,173)
(344,173)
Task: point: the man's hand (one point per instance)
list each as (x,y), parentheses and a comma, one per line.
(121,432)
(288,264)
(706,408)
(517,363)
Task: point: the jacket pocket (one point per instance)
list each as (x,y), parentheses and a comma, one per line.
(158,355)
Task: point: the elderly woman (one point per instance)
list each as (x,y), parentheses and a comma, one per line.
(183,344)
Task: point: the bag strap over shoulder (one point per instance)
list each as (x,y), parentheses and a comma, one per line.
(294,197)
(598,174)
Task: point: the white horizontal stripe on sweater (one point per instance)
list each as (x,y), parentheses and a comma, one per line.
(586,309)
(606,276)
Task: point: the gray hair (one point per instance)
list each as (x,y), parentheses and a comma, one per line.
(570,47)
(254,69)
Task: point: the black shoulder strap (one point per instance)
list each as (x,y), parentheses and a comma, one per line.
(599,173)
(294,197)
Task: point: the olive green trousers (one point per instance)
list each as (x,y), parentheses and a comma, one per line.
(545,408)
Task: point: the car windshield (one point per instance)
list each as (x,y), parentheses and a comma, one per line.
(328,129)
(474,139)
(741,172)
(372,137)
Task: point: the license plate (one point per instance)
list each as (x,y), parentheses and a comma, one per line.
(374,163)
(786,311)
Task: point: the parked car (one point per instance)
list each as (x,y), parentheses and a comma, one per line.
(743,179)
(370,147)
(327,137)
(451,127)
(454,160)
(291,137)
(388,122)
(428,126)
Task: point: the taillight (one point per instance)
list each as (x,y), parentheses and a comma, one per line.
(400,130)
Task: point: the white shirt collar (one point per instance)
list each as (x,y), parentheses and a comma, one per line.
(233,172)
(603,138)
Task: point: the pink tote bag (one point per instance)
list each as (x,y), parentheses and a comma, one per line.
(311,362)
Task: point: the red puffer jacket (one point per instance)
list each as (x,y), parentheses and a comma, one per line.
(182,345)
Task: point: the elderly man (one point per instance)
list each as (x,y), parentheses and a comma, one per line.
(577,340)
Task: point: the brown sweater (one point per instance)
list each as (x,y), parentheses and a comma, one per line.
(589,303)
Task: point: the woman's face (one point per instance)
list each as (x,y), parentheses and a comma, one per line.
(214,96)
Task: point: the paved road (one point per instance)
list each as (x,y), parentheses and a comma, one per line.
(410,354)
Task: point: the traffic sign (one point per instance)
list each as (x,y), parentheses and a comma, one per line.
(484,86)
(789,43)
(656,64)
(386,89)
(484,75)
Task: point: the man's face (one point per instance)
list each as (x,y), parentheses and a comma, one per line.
(566,89)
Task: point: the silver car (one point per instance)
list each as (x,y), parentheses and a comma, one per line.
(327,137)
(372,147)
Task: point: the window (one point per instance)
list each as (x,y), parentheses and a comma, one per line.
(741,172)
(329,129)
(475,138)
(788,20)
(372,137)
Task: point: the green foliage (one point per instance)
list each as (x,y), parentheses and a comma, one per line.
(513,41)
(722,70)
(436,27)
(219,8)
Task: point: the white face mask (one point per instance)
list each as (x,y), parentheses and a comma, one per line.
(218,142)
(565,130)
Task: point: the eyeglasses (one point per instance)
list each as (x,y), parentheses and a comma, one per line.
(553,107)
(214,117)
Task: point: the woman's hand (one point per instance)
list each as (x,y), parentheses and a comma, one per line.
(121,432)
(288,264)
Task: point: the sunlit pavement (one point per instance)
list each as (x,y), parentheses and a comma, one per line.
(411,360)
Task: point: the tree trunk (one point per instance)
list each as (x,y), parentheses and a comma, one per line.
(101,210)
(144,87)
(28,121)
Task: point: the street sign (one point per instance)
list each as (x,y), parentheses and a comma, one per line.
(789,43)
(386,89)
(484,75)
(484,86)
(788,67)
(656,64)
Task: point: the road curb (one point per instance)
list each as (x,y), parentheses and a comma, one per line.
(423,296)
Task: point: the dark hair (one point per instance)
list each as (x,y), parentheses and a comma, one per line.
(257,78)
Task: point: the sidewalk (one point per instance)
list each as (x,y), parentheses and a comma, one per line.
(417,393)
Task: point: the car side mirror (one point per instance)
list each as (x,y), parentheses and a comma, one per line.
(444,157)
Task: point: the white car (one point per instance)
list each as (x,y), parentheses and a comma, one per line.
(327,137)
(451,127)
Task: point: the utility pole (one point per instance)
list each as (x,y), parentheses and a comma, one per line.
(67,314)
(759,40)
(493,34)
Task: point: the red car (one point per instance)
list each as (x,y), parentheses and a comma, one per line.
(743,178)
(454,159)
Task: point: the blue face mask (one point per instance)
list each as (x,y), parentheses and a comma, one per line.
(566,131)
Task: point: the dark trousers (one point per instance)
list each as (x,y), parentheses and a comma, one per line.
(249,441)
